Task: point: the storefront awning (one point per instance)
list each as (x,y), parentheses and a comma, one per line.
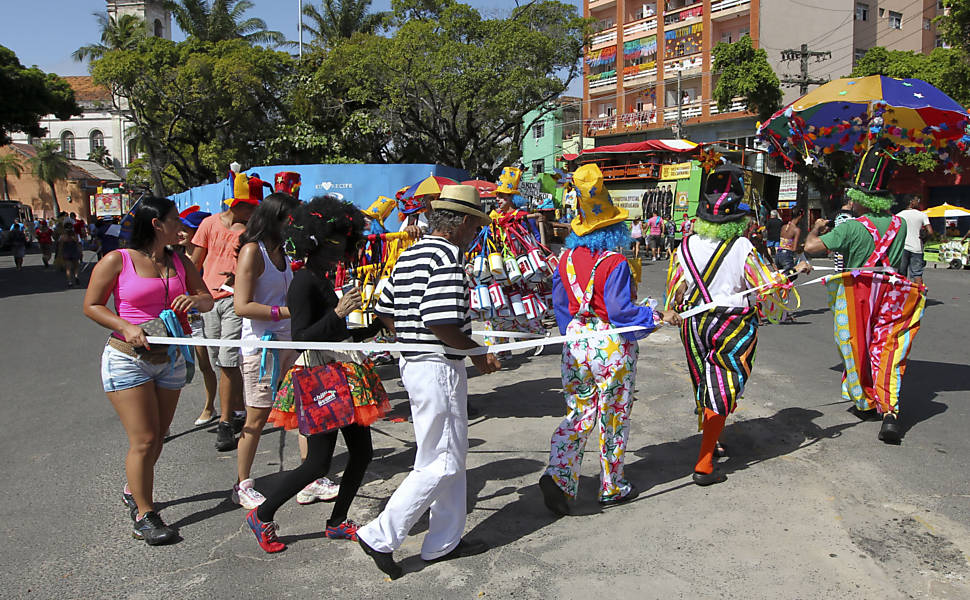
(646,146)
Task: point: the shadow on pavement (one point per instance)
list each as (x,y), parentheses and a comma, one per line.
(922,382)
(524,398)
(226,505)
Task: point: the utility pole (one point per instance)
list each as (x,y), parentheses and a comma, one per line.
(680,104)
(803,80)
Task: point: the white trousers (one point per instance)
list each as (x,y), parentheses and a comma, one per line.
(438,391)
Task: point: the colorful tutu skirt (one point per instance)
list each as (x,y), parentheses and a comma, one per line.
(370,398)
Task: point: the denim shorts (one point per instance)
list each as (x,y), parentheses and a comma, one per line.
(122,372)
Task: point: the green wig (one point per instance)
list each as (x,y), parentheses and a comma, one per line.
(875,202)
(721,231)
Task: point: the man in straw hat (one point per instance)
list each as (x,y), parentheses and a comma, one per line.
(877,314)
(592,291)
(426,302)
(714,264)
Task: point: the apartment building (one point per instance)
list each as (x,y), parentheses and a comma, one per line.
(648,66)
(550,128)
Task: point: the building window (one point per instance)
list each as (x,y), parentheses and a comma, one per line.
(895,20)
(538,129)
(859,53)
(67,144)
(538,166)
(159,29)
(132,151)
(861,11)
(97,139)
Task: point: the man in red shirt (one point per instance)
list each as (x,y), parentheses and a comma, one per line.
(45,238)
(215,255)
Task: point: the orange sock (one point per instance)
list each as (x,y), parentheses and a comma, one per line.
(713,426)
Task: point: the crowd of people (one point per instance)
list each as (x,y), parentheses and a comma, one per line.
(62,242)
(266,269)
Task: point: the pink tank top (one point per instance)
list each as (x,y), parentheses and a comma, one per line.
(139,299)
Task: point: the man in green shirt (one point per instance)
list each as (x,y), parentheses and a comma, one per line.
(877,314)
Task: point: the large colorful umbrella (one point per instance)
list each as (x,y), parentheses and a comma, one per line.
(428,185)
(852,114)
(946,211)
(486,189)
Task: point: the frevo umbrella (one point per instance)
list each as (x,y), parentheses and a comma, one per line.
(852,114)
(946,211)
(428,185)
(486,189)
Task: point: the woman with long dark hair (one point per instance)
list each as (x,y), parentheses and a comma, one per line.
(324,233)
(263,276)
(143,382)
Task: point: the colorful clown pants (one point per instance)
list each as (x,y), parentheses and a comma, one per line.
(720,346)
(598,377)
(511,324)
(876,318)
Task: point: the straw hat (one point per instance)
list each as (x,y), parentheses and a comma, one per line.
(508,181)
(463,199)
(594,208)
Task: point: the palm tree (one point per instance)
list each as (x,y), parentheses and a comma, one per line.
(217,20)
(340,19)
(9,165)
(123,33)
(50,165)
(100,155)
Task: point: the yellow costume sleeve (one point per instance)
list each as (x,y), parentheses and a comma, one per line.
(675,276)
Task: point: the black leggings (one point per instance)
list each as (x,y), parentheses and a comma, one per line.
(317,464)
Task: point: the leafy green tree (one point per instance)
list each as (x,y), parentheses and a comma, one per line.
(946,68)
(955,24)
(335,20)
(220,20)
(447,86)
(196,105)
(50,165)
(123,33)
(10,165)
(29,94)
(101,155)
(744,72)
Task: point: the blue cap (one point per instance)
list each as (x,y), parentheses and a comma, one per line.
(193,220)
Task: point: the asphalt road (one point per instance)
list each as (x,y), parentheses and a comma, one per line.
(814,505)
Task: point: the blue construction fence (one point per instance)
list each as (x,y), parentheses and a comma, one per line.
(360,184)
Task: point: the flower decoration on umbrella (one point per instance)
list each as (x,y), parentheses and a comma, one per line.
(854,114)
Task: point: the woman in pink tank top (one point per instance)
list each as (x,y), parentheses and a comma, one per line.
(142,383)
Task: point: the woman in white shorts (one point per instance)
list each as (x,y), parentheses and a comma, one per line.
(263,276)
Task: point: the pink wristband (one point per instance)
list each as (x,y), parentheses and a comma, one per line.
(275,311)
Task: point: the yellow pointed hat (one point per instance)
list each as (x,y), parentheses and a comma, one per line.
(508,181)
(380,209)
(594,208)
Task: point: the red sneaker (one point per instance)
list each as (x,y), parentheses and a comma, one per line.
(345,531)
(265,533)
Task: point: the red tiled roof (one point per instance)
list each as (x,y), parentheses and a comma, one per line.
(85,90)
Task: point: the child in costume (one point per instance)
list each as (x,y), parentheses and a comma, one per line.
(592,291)
(877,314)
(717,264)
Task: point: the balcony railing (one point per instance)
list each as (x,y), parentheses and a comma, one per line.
(631,171)
(595,125)
(690,65)
(688,111)
(639,118)
(640,76)
(639,27)
(683,14)
(727,4)
(603,38)
(602,83)
(737,105)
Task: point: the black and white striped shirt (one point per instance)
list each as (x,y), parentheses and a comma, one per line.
(427,287)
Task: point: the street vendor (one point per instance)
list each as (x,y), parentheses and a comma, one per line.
(717,264)
(592,291)
(877,314)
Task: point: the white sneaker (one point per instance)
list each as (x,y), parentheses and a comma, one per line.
(243,493)
(321,489)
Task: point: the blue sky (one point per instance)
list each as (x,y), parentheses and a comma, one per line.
(46,32)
